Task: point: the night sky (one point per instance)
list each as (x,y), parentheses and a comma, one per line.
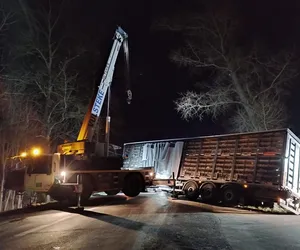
(156,82)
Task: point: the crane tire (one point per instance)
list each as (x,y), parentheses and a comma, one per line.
(87,190)
(112,192)
(87,187)
(133,184)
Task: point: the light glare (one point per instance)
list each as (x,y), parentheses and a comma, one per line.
(36,151)
(23,154)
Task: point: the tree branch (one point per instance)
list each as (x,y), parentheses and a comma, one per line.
(212,103)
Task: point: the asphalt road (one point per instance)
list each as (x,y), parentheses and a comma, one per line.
(149,221)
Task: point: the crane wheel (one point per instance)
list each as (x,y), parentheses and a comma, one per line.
(87,187)
(87,190)
(58,198)
(133,184)
(60,193)
(191,190)
(112,192)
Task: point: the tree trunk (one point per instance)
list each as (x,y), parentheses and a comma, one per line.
(2,190)
(2,180)
(243,98)
(7,200)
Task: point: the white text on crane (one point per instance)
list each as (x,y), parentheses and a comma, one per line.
(98,103)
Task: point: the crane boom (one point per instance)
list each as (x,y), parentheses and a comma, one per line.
(86,132)
(84,143)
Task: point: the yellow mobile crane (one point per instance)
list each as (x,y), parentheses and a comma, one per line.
(84,166)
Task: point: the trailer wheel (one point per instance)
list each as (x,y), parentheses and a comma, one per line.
(208,193)
(132,185)
(112,192)
(191,190)
(230,195)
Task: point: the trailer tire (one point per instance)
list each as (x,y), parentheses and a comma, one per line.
(133,184)
(208,193)
(112,192)
(230,195)
(191,190)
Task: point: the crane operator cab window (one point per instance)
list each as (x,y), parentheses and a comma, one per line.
(39,165)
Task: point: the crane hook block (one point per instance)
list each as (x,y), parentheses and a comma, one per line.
(129,96)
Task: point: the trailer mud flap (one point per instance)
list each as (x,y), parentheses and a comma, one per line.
(290,205)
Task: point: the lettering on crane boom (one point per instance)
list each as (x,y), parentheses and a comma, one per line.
(92,120)
(98,103)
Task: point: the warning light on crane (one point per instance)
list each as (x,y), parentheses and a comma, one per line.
(36,151)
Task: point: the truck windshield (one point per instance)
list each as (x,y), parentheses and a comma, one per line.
(39,165)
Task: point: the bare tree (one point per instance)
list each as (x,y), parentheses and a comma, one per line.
(6,19)
(16,127)
(243,81)
(44,67)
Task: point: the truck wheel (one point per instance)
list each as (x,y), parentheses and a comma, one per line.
(230,195)
(133,185)
(208,193)
(112,192)
(191,190)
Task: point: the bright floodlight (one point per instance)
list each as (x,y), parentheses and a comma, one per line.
(36,151)
(63,173)
(23,154)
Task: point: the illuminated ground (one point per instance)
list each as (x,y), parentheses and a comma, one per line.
(150,221)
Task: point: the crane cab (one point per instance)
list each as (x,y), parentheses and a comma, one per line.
(41,172)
